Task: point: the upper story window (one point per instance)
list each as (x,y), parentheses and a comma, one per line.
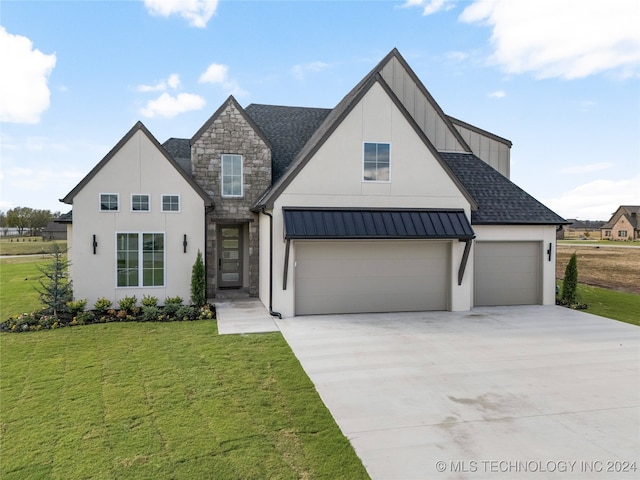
(376,162)
(109,202)
(140,203)
(231,175)
(170,203)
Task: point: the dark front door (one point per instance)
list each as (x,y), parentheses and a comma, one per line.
(230,257)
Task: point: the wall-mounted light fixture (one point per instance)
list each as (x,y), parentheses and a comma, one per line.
(549,251)
(95,245)
(184,243)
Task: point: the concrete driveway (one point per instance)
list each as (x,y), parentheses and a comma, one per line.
(500,392)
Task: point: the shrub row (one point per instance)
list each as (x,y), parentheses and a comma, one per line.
(128,311)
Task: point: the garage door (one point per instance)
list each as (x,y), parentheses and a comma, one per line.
(375,276)
(507,273)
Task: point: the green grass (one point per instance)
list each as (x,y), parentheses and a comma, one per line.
(163,400)
(634,243)
(27,246)
(609,303)
(18,282)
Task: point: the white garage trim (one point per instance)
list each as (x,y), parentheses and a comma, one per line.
(507,273)
(371,276)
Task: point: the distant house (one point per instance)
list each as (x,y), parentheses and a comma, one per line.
(383,203)
(580,229)
(55,230)
(623,224)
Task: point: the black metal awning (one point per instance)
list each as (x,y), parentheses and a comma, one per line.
(371,223)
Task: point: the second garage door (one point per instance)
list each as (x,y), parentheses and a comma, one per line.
(507,273)
(375,276)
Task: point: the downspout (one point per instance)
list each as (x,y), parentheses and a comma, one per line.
(271,312)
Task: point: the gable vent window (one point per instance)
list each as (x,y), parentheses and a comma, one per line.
(231,175)
(140,203)
(108,202)
(376,162)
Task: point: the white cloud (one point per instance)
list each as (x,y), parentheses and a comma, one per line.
(218,74)
(173,82)
(24,92)
(196,12)
(596,200)
(593,167)
(497,94)
(566,39)
(168,106)
(430,7)
(301,70)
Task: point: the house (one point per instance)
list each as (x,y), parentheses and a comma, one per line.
(54,231)
(623,224)
(383,203)
(580,229)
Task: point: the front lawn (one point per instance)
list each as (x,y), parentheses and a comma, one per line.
(609,303)
(18,282)
(163,400)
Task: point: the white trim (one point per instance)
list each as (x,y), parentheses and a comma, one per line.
(141,260)
(140,195)
(100,202)
(170,195)
(362,179)
(222,175)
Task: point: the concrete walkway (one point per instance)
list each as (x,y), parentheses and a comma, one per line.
(243,315)
(501,392)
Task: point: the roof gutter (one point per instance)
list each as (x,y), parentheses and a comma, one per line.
(271,312)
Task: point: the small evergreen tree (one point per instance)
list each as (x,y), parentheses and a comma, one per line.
(55,288)
(570,283)
(198,282)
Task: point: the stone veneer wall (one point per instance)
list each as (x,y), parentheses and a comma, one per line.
(231,133)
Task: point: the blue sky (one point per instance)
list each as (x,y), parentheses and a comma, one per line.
(560,79)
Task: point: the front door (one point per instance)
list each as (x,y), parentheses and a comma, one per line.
(230,257)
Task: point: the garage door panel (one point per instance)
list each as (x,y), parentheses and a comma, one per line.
(507,273)
(349,277)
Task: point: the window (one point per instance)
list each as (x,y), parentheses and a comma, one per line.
(108,202)
(376,162)
(231,175)
(607,233)
(622,233)
(140,259)
(140,203)
(170,203)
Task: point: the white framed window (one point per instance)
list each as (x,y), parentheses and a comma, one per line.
(109,202)
(231,175)
(170,203)
(140,259)
(376,162)
(140,203)
(622,233)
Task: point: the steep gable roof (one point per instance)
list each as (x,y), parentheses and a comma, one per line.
(230,102)
(499,200)
(180,150)
(630,211)
(335,118)
(138,127)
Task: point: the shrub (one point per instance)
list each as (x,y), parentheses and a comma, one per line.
(127,303)
(150,313)
(149,301)
(55,289)
(570,282)
(198,282)
(77,306)
(184,312)
(177,300)
(170,309)
(85,317)
(102,304)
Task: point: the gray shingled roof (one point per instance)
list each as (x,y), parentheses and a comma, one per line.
(180,150)
(500,201)
(287,128)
